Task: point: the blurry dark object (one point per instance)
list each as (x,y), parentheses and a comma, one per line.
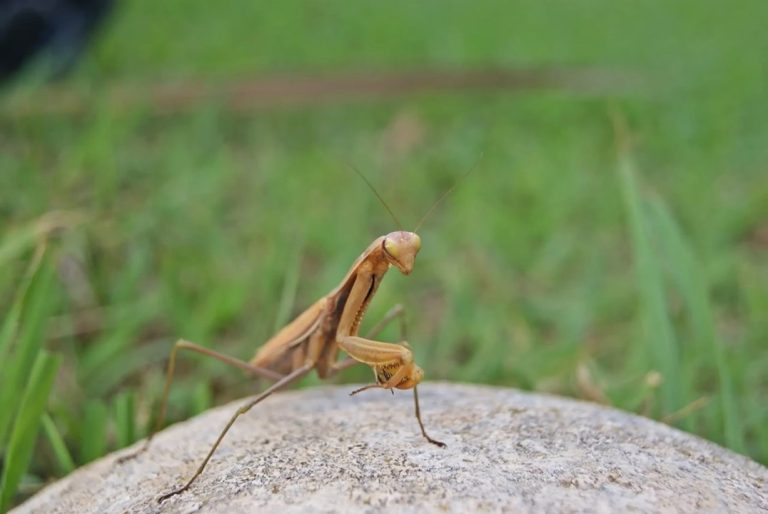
(59,29)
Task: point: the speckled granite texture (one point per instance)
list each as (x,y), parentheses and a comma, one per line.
(318,450)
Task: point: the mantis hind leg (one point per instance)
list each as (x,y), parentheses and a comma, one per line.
(287,379)
(181,344)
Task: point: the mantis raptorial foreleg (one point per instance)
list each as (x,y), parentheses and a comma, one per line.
(396,312)
(181,344)
(392,363)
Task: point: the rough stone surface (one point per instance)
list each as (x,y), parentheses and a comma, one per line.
(319,450)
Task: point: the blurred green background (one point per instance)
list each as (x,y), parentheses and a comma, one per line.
(611,244)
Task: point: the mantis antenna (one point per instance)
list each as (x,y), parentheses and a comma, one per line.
(449,191)
(397,221)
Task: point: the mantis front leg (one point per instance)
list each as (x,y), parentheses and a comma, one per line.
(393,365)
(397,312)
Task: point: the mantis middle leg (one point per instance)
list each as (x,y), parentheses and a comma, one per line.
(181,344)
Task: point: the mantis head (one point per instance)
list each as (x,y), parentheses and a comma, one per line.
(400,249)
(412,379)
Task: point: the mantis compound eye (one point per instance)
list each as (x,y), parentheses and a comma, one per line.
(391,247)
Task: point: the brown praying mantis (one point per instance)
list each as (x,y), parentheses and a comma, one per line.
(315,337)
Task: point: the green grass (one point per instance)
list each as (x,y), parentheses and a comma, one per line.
(27,375)
(560,259)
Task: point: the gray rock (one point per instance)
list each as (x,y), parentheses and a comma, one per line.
(319,450)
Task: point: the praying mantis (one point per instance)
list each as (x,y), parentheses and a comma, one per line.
(315,337)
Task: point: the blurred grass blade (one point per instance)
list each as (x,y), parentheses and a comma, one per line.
(658,331)
(112,373)
(125,419)
(64,460)
(26,424)
(290,286)
(202,397)
(93,433)
(19,357)
(11,322)
(692,285)
(19,241)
